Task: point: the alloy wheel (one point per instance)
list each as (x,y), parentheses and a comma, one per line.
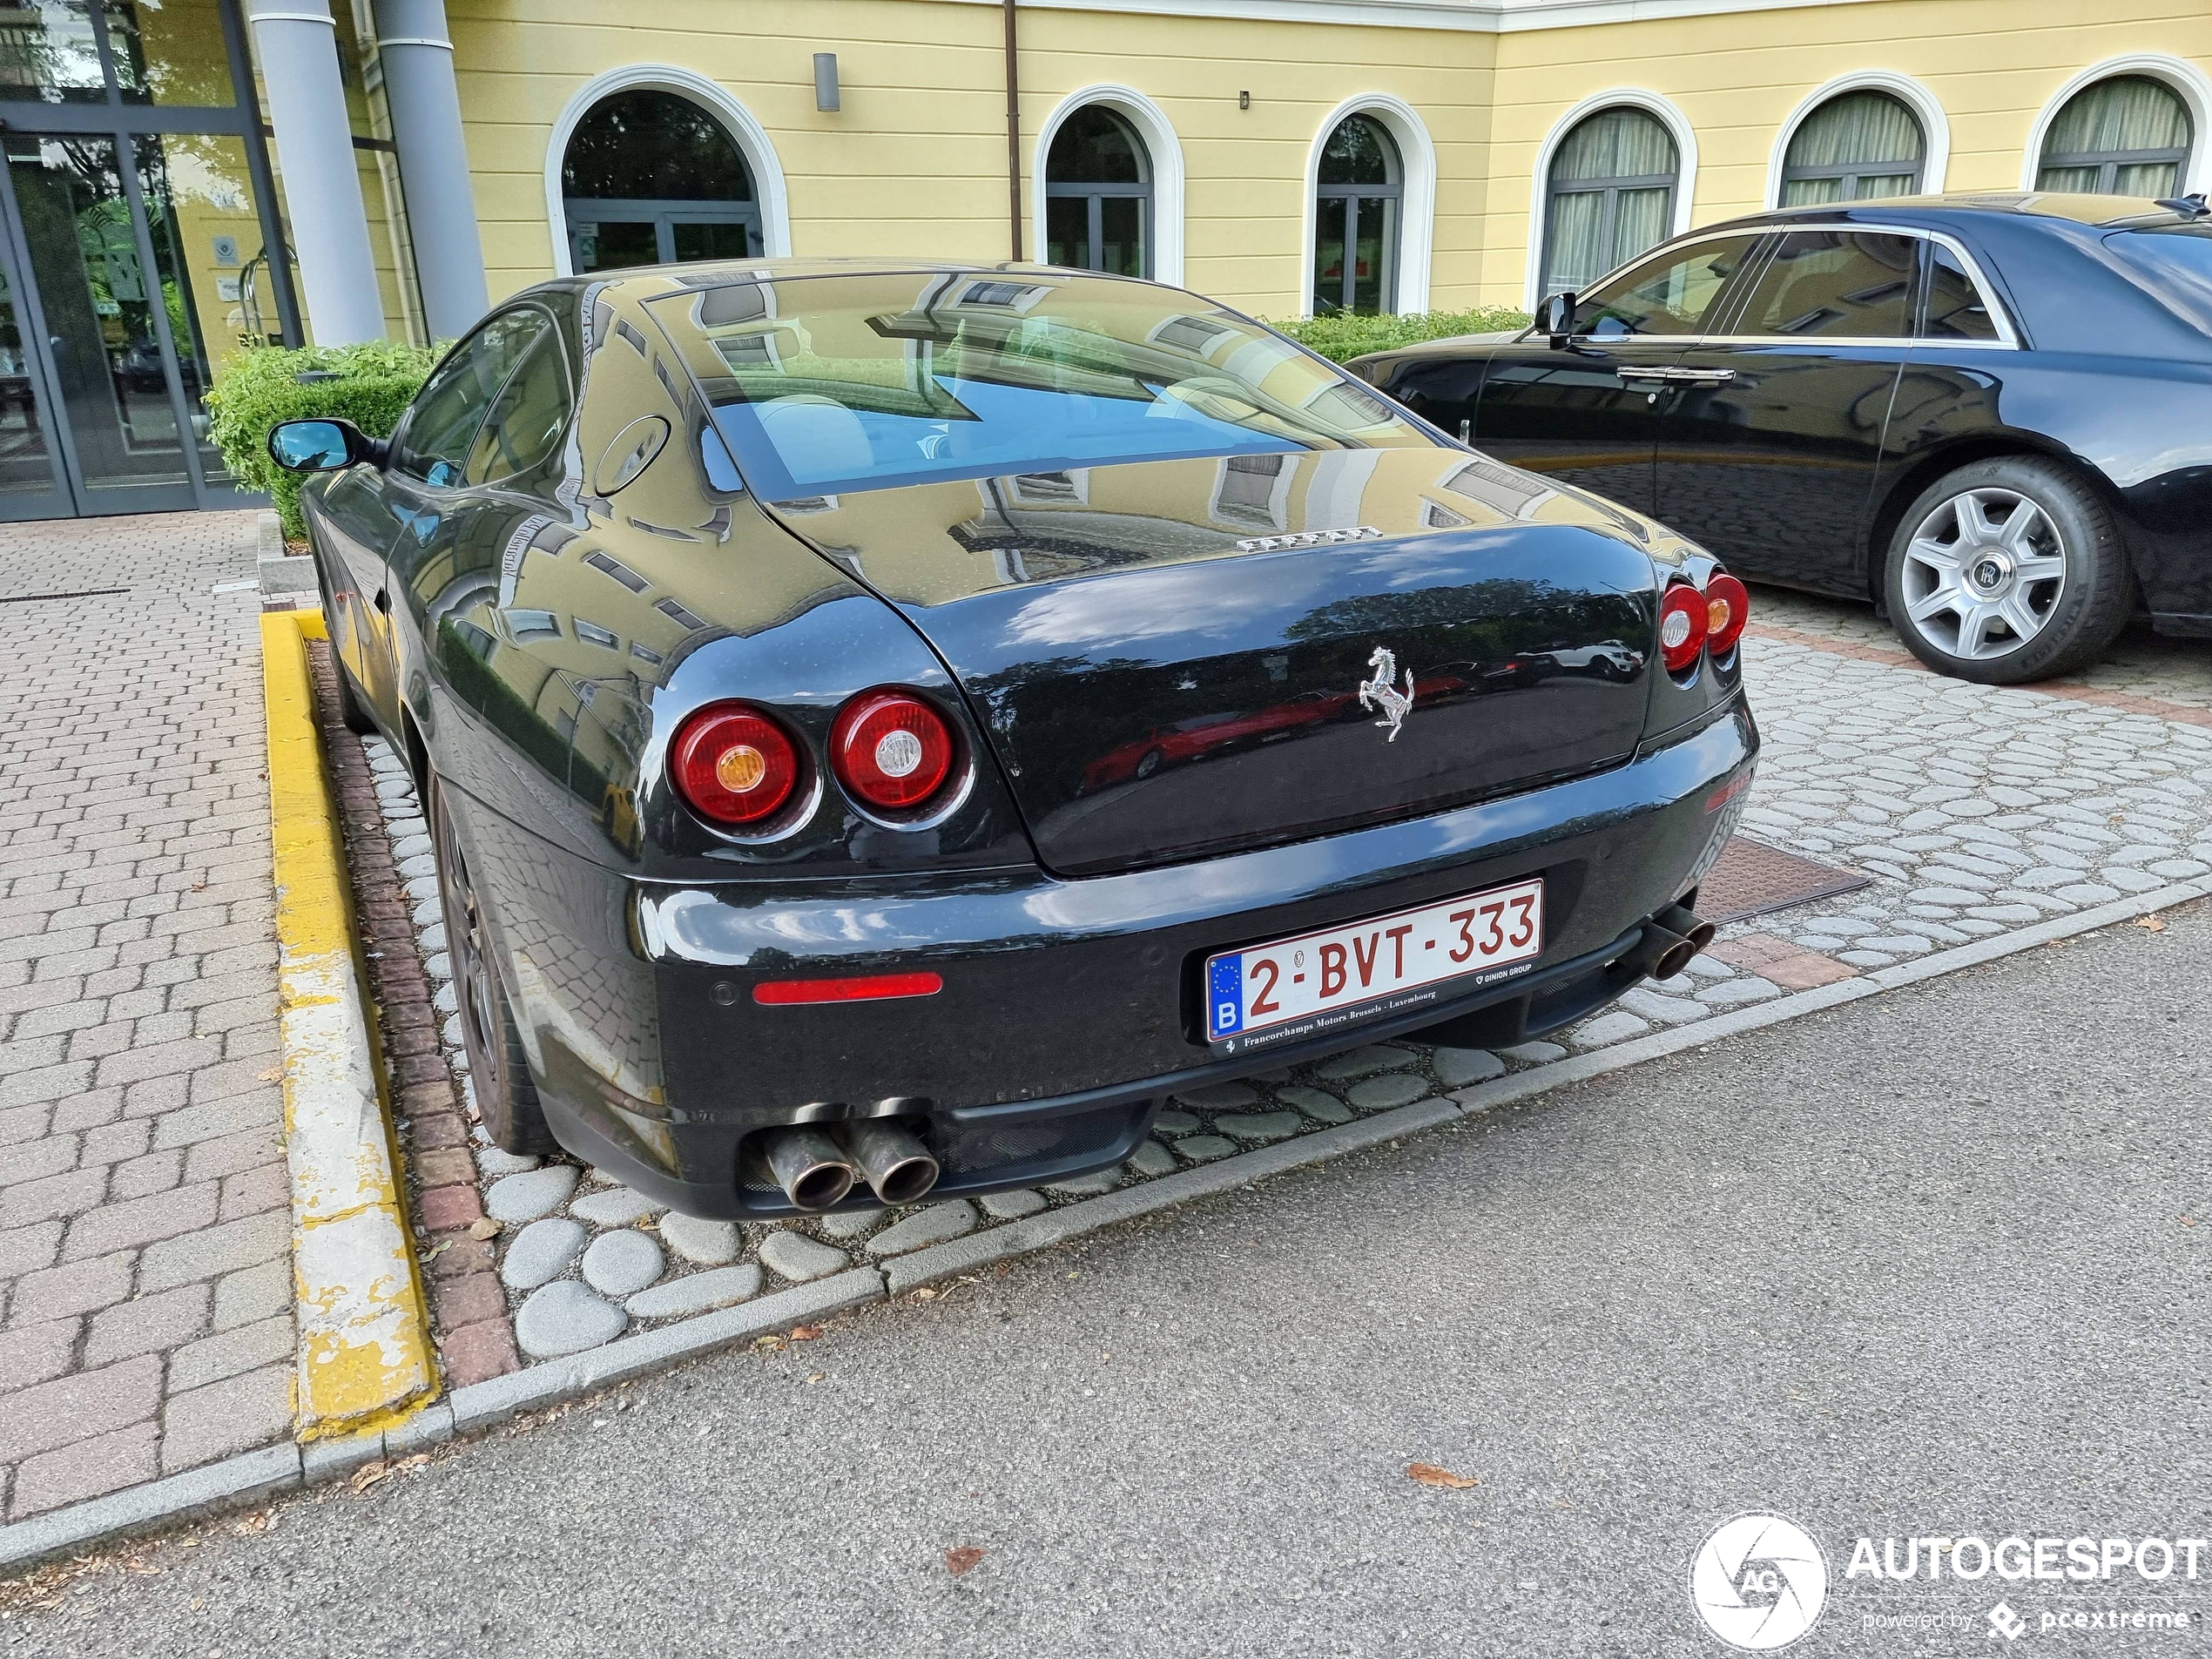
(471,958)
(1983,573)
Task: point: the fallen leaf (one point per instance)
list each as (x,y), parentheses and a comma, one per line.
(767,1345)
(925,1294)
(813,1377)
(2150,924)
(484,1227)
(274,1073)
(962,1558)
(368,1475)
(2188,1221)
(1429,1475)
(805,1332)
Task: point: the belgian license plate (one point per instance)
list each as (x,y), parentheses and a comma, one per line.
(1317,981)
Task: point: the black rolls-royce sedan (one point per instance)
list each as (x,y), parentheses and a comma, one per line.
(887,728)
(1990,414)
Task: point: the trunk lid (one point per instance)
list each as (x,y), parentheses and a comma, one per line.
(1168,658)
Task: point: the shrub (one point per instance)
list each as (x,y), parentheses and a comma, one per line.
(370,384)
(1344,335)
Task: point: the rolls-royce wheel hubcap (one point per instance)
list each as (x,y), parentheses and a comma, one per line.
(1983,573)
(472,977)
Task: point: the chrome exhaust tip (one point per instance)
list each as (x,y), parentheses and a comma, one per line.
(1671,952)
(808,1165)
(1687,922)
(891,1159)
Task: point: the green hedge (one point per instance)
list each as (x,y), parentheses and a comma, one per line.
(370,385)
(1346,334)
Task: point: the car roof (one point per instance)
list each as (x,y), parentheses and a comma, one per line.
(714,272)
(2112,212)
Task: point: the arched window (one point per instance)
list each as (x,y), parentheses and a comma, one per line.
(2128,136)
(650,178)
(1852,148)
(1098,195)
(1611,195)
(1355,221)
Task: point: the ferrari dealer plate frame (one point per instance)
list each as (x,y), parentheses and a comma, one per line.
(1315,982)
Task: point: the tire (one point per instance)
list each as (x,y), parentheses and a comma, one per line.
(350,711)
(1149,762)
(1979,592)
(506,1098)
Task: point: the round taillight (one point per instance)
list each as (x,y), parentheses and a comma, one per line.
(891,749)
(1682,626)
(733,765)
(1727,607)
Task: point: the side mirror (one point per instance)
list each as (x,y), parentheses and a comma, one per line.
(320,445)
(1555,317)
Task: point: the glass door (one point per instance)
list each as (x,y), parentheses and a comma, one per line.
(32,483)
(103,323)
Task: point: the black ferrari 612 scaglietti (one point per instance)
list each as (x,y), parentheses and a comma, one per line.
(887,728)
(1990,414)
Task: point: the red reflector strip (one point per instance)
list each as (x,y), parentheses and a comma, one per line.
(867,988)
(1728,792)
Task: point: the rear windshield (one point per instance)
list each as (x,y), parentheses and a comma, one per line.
(831,384)
(2175,263)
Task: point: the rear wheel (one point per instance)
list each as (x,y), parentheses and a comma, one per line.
(350,704)
(2008,570)
(506,1098)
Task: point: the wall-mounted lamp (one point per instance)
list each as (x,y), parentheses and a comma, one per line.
(1243,100)
(826,81)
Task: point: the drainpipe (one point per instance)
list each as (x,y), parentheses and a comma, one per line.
(417,53)
(1012,135)
(297,42)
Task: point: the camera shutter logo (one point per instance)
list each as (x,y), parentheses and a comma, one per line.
(1759,1583)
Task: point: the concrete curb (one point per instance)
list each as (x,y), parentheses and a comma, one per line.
(364,1336)
(252,1474)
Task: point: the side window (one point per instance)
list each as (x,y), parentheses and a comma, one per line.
(1849,284)
(1670,293)
(1957,309)
(433,444)
(527,419)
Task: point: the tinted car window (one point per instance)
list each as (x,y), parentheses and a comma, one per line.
(1851,285)
(527,421)
(845,384)
(1671,293)
(2176,264)
(1957,309)
(433,444)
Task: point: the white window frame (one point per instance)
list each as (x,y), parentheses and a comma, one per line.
(1935,127)
(2187,82)
(1634,98)
(1162,149)
(1416,201)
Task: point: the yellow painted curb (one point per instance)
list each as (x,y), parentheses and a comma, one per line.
(365,1350)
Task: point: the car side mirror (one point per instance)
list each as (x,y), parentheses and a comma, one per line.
(1555,317)
(320,445)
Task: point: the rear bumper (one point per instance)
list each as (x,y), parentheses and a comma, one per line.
(1071,1008)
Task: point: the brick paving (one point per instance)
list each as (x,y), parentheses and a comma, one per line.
(145,1208)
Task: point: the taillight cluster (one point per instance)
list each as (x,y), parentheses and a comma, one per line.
(1710,620)
(738,766)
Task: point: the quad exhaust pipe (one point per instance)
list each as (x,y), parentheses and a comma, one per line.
(1679,933)
(816,1169)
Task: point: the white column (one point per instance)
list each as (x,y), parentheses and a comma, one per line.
(417,55)
(297,42)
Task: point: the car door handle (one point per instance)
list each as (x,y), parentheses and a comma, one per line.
(1702,376)
(1630,372)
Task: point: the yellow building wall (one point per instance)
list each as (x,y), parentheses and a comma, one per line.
(914,163)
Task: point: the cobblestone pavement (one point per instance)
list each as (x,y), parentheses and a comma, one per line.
(145,1208)
(1976,810)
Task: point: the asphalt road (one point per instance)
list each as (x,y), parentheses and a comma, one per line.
(1918,1267)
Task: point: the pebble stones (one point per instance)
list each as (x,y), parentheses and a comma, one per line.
(1205,1148)
(1221,1097)
(622,1263)
(849,1224)
(1151,1159)
(495,1163)
(1258,1126)
(541,1251)
(797,1257)
(931,1226)
(531,1193)
(698,1292)
(616,1207)
(1456,1068)
(1086,1186)
(1175,1122)
(1359,1062)
(1321,1107)
(565,1318)
(708,1243)
(1012,1206)
(1391,1088)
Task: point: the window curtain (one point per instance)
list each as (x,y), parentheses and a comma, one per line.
(1578,256)
(1855,130)
(2115,116)
(1614,143)
(1602,209)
